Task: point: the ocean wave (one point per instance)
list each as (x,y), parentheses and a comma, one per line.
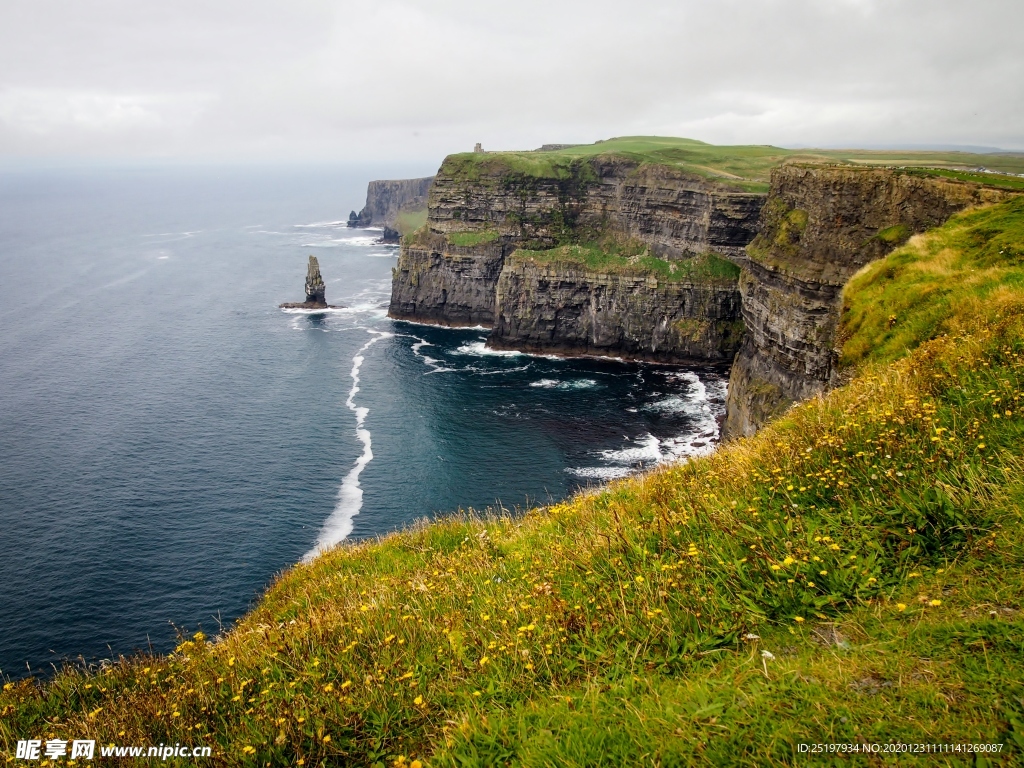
(480,348)
(674,404)
(600,473)
(646,449)
(359,241)
(326,311)
(321,225)
(572,384)
(339,525)
(703,399)
(435,365)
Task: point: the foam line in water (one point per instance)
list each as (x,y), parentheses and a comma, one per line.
(435,365)
(338,526)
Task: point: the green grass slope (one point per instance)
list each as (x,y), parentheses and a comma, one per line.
(853,574)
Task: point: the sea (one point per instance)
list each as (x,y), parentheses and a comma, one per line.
(170,439)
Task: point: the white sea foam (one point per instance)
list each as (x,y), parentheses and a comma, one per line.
(321,224)
(673,404)
(571,384)
(600,473)
(350,496)
(481,348)
(646,449)
(325,311)
(703,399)
(432,363)
(359,241)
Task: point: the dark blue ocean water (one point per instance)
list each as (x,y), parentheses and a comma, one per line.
(170,439)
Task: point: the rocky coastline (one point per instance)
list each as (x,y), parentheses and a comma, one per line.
(579,256)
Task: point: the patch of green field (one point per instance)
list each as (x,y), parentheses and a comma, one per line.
(475,237)
(631,257)
(1015,183)
(852,574)
(407,222)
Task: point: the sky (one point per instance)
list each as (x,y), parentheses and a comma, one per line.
(258,81)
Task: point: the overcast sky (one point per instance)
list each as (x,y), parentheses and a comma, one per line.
(324,80)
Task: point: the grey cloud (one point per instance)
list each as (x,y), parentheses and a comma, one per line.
(402,80)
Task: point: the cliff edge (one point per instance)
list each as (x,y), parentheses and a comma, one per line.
(819,226)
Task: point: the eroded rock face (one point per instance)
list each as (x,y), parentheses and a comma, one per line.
(445,284)
(386,199)
(819,226)
(315,288)
(316,291)
(478,216)
(567,309)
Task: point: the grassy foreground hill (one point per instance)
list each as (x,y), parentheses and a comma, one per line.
(853,574)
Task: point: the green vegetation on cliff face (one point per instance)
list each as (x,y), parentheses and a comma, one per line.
(407,222)
(472,238)
(631,257)
(852,574)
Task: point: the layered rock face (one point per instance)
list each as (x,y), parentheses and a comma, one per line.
(819,226)
(315,288)
(482,210)
(445,284)
(386,199)
(568,309)
(316,291)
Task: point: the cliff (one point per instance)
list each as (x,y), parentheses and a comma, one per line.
(819,226)
(564,306)
(483,208)
(385,200)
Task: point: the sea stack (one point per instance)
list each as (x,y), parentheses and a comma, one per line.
(315,290)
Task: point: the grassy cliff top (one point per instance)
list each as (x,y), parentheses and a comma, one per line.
(852,574)
(745,167)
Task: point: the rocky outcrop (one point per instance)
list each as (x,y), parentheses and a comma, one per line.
(386,199)
(483,208)
(819,226)
(316,291)
(439,282)
(565,308)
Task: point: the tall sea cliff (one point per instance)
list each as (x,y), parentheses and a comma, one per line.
(819,227)
(621,255)
(596,255)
